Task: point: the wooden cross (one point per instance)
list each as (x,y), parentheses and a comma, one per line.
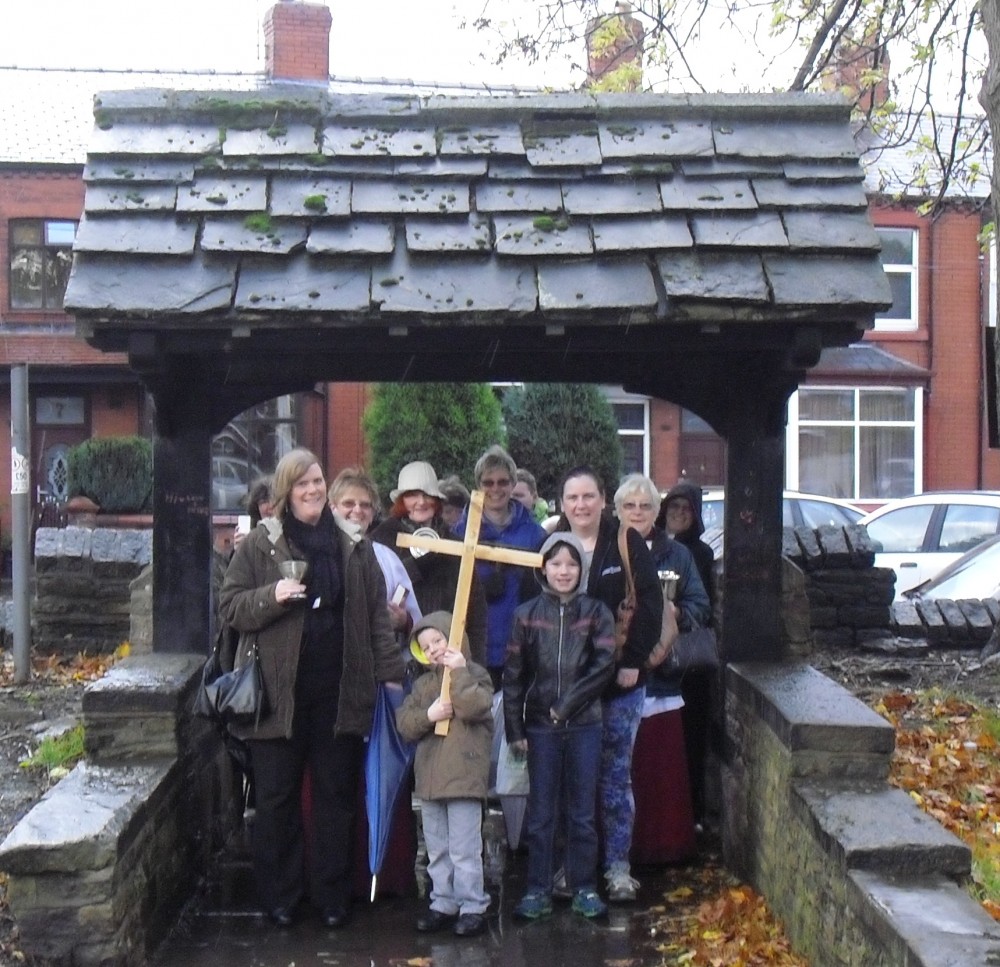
(469,551)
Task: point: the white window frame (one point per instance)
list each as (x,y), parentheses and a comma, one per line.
(882,323)
(794,424)
(616,395)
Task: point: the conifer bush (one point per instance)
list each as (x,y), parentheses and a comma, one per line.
(115,472)
(553,427)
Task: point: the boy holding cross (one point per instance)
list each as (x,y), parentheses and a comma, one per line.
(452,773)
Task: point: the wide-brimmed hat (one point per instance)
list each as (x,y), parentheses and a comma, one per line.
(418,475)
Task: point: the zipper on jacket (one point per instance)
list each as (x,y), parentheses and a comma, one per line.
(559,652)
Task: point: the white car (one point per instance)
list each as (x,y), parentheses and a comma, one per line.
(797,510)
(918,536)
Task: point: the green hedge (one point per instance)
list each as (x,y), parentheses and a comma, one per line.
(115,472)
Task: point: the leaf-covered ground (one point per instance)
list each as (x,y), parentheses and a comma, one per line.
(946,759)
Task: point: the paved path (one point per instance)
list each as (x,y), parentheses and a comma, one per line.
(223,929)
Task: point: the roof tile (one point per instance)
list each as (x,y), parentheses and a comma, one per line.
(590,197)
(656,139)
(275,237)
(513,196)
(601,284)
(151,285)
(718,194)
(756,230)
(209,193)
(714,275)
(646,232)
(360,236)
(542,235)
(301,283)
(471,234)
(410,196)
(310,197)
(148,235)
(471,285)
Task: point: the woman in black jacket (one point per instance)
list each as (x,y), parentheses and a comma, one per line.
(583,503)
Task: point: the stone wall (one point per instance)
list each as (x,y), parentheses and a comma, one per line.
(848,602)
(858,874)
(100,867)
(82,594)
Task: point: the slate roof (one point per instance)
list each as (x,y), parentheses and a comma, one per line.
(292,205)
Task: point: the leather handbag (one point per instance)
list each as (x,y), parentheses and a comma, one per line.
(235,697)
(626,607)
(696,650)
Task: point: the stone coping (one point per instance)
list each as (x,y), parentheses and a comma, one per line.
(807,710)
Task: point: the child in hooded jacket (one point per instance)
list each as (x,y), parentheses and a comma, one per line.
(559,661)
(452,774)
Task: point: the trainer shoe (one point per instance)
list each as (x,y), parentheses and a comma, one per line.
(621,885)
(533,906)
(588,904)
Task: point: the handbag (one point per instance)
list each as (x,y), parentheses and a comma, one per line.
(212,669)
(668,635)
(626,607)
(696,650)
(235,697)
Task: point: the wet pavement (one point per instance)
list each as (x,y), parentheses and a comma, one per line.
(222,927)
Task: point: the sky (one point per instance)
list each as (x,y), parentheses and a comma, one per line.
(394,39)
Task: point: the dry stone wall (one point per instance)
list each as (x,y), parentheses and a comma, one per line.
(82,587)
(850,601)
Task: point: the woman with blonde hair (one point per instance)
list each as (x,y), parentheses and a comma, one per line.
(324,642)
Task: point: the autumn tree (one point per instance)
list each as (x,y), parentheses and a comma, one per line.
(926,102)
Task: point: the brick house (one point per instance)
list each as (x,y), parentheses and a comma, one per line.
(901,411)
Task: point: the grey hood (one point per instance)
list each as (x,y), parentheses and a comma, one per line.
(564,537)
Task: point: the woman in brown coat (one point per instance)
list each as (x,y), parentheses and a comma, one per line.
(324,644)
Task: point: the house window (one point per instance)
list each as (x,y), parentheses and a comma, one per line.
(40,259)
(856,443)
(633,432)
(899,260)
(250,446)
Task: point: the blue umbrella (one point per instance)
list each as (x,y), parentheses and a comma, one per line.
(388,762)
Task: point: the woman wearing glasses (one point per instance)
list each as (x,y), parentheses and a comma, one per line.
(354,498)
(664,830)
(505,523)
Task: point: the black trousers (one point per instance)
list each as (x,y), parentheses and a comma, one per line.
(279,841)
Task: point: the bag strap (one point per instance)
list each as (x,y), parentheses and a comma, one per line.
(626,563)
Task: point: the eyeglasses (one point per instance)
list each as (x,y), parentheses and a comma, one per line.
(631,505)
(504,482)
(352,504)
(679,509)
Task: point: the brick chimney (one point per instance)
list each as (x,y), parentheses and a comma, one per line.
(614,41)
(297,41)
(861,70)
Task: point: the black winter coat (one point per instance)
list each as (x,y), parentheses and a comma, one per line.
(560,658)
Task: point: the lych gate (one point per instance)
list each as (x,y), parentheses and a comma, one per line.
(699,249)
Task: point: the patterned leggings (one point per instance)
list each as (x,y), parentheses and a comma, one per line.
(622,715)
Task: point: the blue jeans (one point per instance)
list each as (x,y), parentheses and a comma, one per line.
(562,768)
(622,716)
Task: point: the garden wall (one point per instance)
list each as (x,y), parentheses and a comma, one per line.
(859,875)
(82,587)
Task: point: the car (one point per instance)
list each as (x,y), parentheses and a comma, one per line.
(797,510)
(976,574)
(230,482)
(917,536)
